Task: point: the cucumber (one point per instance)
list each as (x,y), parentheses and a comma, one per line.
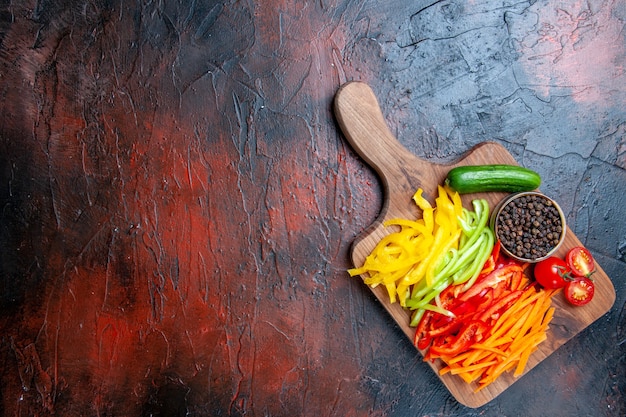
(496,177)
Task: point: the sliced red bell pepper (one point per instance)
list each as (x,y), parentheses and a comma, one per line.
(490,263)
(494,312)
(422,339)
(486,298)
(502,288)
(516,279)
(452,327)
(447,297)
(469,334)
(465,307)
(477,303)
(490,281)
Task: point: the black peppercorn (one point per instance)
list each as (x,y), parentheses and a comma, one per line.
(529,226)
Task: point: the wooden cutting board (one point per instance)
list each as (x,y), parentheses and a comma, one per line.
(401,172)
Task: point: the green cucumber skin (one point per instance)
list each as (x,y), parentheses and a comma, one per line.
(497,177)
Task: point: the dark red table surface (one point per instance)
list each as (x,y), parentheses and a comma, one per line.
(178,203)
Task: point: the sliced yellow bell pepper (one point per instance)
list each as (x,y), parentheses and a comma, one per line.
(419,249)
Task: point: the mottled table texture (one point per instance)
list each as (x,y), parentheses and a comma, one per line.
(178,202)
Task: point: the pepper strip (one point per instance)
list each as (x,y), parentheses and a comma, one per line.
(464,264)
(517,322)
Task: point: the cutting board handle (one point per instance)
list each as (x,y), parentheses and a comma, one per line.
(364,126)
(362,122)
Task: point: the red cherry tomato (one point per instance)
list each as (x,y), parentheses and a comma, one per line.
(580,261)
(579,291)
(552,273)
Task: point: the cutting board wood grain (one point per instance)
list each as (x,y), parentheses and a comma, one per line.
(402,173)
